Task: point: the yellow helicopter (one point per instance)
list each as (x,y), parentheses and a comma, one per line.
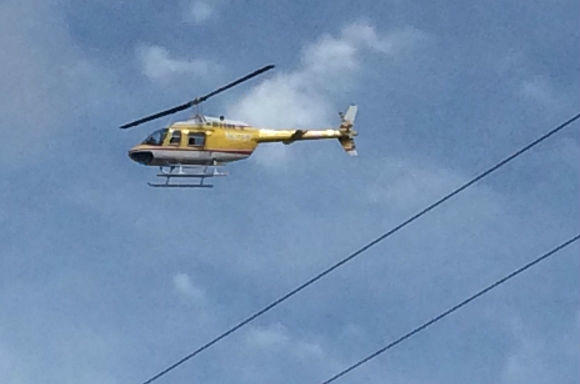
(197,148)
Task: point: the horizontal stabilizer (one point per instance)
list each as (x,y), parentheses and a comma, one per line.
(348,145)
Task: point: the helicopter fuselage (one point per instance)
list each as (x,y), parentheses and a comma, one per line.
(191,143)
(212,141)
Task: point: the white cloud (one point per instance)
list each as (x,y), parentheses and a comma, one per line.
(568,153)
(539,90)
(329,66)
(282,102)
(336,56)
(530,85)
(11,370)
(200,11)
(272,155)
(407,184)
(184,286)
(403,184)
(267,337)
(42,92)
(159,66)
(300,98)
(277,338)
(331,56)
(533,360)
(392,43)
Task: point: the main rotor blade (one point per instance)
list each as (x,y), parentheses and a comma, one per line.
(197,100)
(158,115)
(232,84)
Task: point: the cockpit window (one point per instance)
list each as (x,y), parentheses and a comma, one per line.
(156,138)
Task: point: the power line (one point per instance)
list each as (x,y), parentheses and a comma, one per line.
(362,249)
(451,310)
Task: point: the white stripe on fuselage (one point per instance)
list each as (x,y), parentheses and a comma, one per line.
(164,156)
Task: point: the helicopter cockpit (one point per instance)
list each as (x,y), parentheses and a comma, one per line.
(156,138)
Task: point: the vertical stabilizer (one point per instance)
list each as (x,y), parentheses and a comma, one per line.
(350,114)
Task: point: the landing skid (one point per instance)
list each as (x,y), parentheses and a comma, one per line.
(187,172)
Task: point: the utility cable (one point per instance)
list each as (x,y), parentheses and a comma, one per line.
(362,249)
(451,310)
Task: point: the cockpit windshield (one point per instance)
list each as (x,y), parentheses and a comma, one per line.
(156,138)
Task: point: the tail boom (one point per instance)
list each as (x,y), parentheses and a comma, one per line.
(345,133)
(288,136)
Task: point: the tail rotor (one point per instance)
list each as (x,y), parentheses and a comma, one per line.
(347,131)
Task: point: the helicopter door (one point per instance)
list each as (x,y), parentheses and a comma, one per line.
(196,139)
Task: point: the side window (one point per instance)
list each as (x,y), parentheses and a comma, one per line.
(196,139)
(175,138)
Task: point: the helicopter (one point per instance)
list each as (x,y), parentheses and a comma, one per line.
(197,148)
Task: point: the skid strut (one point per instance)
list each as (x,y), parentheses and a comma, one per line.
(187,172)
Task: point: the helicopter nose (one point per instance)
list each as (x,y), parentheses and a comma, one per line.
(142,157)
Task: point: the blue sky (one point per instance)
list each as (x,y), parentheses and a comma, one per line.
(104,280)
